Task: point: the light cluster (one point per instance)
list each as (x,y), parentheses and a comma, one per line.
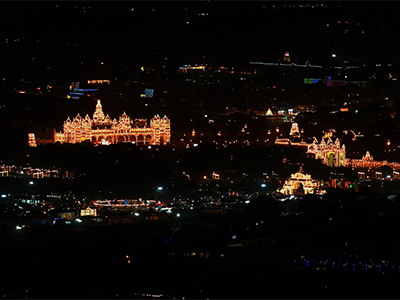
(102,130)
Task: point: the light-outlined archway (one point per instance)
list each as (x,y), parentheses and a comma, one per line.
(140,139)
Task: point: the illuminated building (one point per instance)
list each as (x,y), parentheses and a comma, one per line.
(88,212)
(300,183)
(32,140)
(102,130)
(367,161)
(98,81)
(331,154)
(294,131)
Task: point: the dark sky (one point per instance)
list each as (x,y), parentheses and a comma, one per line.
(68,32)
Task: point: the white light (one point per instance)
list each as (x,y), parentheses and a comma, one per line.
(178,215)
(159,188)
(247,201)
(30,182)
(79,220)
(136,214)
(3,196)
(333,55)
(18,227)
(263,185)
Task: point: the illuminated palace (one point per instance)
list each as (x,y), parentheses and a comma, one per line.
(102,130)
(331,154)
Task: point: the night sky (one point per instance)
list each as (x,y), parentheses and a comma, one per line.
(67,33)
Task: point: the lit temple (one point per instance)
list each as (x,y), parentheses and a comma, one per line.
(102,130)
(300,183)
(294,131)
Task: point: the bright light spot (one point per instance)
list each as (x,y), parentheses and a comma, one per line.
(79,220)
(178,215)
(3,196)
(30,182)
(137,214)
(263,185)
(333,55)
(18,227)
(247,201)
(159,188)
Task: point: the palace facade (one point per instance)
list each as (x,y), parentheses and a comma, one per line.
(102,130)
(331,154)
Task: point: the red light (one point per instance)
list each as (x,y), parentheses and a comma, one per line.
(38,89)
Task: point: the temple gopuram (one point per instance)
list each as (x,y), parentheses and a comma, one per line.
(102,130)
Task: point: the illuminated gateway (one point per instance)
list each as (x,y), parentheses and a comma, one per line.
(102,130)
(300,183)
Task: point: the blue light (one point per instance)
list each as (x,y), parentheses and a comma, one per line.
(149,93)
(86,90)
